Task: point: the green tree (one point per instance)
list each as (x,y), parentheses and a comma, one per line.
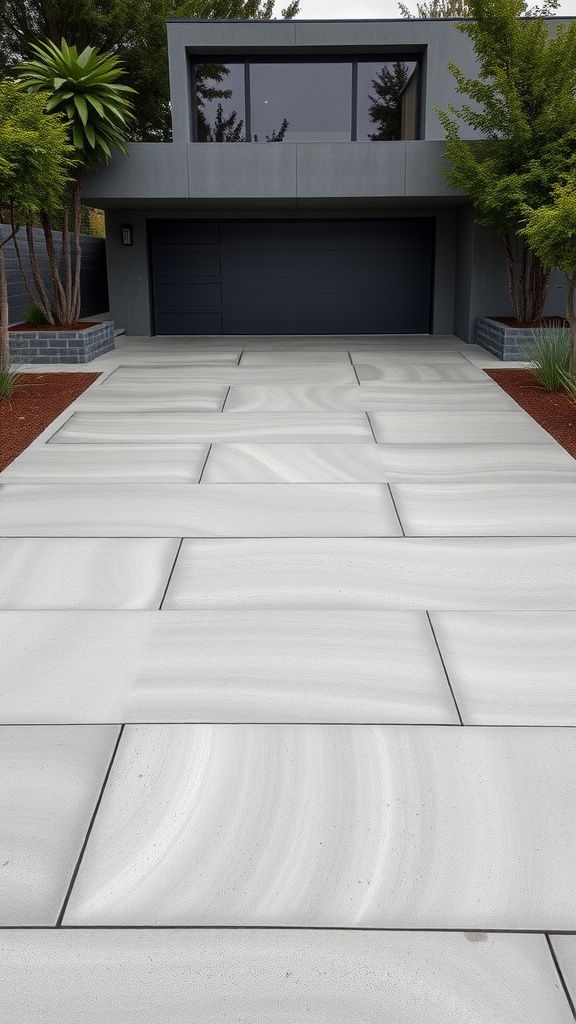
(134,30)
(551,232)
(35,163)
(522,106)
(385,108)
(462,9)
(83,88)
(438,9)
(279,133)
(225,129)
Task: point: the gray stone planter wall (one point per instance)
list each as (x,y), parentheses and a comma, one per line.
(508,343)
(62,346)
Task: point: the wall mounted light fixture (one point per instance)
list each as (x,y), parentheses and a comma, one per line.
(127,234)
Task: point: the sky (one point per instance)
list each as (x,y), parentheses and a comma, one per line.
(378,8)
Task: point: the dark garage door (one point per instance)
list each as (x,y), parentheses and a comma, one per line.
(291,276)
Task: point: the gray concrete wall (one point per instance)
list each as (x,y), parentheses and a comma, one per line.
(212,171)
(93,275)
(128,277)
(464,268)
(128,266)
(440,41)
(482,279)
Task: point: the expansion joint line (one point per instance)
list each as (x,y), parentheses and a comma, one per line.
(565,989)
(88,833)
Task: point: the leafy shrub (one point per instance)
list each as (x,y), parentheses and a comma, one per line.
(34,316)
(549,356)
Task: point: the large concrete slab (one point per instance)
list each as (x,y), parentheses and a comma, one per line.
(451,463)
(50,781)
(565,949)
(426,351)
(217,374)
(107,463)
(406,371)
(154,398)
(320,398)
(84,572)
(510,667)
(487,509)
(395,426)
(330,977)
(334,826)
(182,427)
(263,666)
(404,573)
(179,510)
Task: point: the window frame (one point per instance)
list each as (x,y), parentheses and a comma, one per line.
(383,56)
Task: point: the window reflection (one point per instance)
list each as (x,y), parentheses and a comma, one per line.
(306,101)
(301,102)
(387,101)
(220,103)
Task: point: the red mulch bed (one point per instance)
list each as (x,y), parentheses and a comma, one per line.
(553,410)
(39,398)
(80,325)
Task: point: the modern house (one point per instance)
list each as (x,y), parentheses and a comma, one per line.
(302,192)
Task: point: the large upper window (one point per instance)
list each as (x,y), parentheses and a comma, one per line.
(334,100)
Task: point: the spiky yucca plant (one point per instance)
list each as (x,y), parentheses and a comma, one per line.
(549,355)
(85,88)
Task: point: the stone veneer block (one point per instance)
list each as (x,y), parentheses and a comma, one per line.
(63,346)
(506,342)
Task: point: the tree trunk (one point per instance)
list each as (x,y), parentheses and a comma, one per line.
(59,293)
(4,336)
(527,280)
(67,260)
(38,300)
(571,317)
(510,266)
(77,210)
(538,281)
(45,304)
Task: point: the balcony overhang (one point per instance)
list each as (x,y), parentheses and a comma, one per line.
(251,175)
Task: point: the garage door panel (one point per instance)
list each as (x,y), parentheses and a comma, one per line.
(245,320)
(320,234)
(182,264)
(177,232)
(294,277)
(190,323)
(335,278)
(170,296)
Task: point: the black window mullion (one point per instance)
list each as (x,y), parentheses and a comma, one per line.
(354,119)
(247,102)
(193,103)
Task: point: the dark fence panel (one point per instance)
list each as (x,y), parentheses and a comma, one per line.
(93,277)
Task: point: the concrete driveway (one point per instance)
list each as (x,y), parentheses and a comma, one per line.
(287,647)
